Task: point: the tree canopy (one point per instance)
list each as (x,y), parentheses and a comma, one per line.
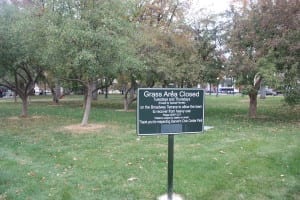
(21,46)
(92,44)
(264,42)
(150,43)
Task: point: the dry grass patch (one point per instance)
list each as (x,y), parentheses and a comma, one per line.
(247,117)
(122,110)
(34,117)
(79,129)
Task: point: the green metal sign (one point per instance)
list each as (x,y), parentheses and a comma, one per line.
(170,111)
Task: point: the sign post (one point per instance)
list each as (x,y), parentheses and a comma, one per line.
(170,111)
(170,165)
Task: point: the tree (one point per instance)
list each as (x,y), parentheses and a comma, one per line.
(155,22)
(182,70)
(93,43)
(158,13)
(242,44)
(279,26)
(209,33)
(21,44)
(164,33)
(261,39)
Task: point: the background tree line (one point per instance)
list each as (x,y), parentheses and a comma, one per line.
(148,43)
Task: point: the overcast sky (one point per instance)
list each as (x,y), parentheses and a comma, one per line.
(212,5)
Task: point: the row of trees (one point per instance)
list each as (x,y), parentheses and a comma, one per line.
(148,43)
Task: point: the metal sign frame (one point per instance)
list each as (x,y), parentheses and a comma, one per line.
(170,111)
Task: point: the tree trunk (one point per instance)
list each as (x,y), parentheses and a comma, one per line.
(24,112)
(58,92)
(106,92)
(262,91)
(88,104)
(252,105)
(128,101)
(85,94)
(130,91)
(95,92)
(253,95)
(132,97)
(126,104)
(54,96)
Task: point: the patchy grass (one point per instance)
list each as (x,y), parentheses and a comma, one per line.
(239,158)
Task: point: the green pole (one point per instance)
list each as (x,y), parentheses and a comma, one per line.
(170,165)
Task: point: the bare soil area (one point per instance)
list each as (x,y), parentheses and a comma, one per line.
(79,129)
(29,118)
(122,110)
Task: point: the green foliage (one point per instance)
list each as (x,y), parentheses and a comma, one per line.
(164,43)
(292,95)
(268,69)
(263,39)
(22,41)
(93,44)
(209,34)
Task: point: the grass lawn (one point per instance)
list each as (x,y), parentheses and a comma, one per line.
(239,158)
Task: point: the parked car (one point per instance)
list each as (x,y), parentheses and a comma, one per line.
(226,90)
(271,92)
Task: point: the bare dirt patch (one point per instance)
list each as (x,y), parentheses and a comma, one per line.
(122,110)
(247,117)
(13,118)
(29,117)
(79,129)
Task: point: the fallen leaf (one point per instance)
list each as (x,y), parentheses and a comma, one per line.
(31,173)
(132,179)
